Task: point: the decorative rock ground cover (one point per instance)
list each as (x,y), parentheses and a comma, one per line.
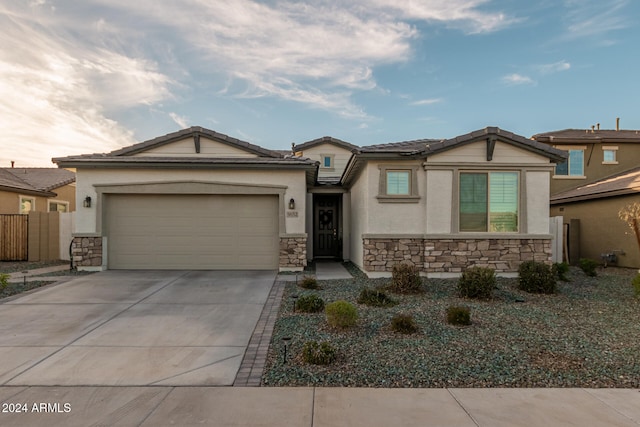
(586,335)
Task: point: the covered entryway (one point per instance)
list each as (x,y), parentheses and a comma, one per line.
(192,231)
(326,226)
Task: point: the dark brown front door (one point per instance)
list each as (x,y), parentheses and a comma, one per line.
(325,220)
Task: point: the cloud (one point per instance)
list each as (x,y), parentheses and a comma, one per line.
(517,79)
(181,121)
(428,101)
(554,68)
(594,19)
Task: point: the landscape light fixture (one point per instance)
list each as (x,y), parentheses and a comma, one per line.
(292,204)
(87,202)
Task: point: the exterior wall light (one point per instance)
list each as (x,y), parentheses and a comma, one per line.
(292,204)
(87,202)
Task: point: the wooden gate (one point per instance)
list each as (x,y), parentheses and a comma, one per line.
(14,237)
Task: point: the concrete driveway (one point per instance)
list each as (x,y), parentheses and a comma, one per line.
(133,328)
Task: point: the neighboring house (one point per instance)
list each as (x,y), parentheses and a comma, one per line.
(593,154)
(23,190)
(591,212)
(197,199)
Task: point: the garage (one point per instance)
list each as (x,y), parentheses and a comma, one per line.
(191,231)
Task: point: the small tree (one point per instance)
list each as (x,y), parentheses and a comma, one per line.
(631,215)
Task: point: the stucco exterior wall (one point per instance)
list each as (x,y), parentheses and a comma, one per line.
(87,218)
(340,158)
(10,202)
(186,148)
(359,217)
(537,200)
(439,201)
(601,230)
(477,152)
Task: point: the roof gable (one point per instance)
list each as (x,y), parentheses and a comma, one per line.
(324,140)
(195,142)
(568,136)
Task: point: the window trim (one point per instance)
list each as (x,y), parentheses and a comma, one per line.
(568,148)
(519,214)
(33,204)
(613,148)
(331,161)
(59,202)
(412,197)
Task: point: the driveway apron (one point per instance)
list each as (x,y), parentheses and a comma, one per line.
(134,328)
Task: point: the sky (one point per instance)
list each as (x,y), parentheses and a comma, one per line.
(91,76)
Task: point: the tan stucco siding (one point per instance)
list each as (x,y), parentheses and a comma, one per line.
(359,217)
(187,148)
(477,153)
(537,200)
(10,202)
(87,218)
(340,158)
(439,201)
(601,230)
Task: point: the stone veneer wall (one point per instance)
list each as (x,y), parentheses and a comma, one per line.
(454,255)
(87,251)
(293,252)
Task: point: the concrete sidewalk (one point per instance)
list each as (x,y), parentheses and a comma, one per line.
(331,270)
(317,407)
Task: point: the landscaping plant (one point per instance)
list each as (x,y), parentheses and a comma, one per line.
(308,282)
(375,298)
(341,314)
(4,281)
(560,270)
(477,282)
(636,285)
(318,353)
(404,323)
(588,266)
(536,277)
(405,279)
(310,304)
(458,315)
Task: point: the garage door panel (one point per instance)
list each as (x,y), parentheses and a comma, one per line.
(192,231)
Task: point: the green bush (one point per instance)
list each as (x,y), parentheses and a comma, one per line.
(405,279)
(477,282)
(341,314)
(588,266)
(404,323)
(309,283)
(318,353)
(4,281)
(560,270)
(375,298)
(536,277)
(458,315)
(636,285)
(310,304)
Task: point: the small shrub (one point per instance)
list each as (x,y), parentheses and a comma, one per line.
(636,285)
(477,282)
(4,281)
(458,315)
(375,298)
(588,266)
(405,279)
(341,314)
(309,283)
(310,304)
(404,323)
(536,277)
(560,270)
(318,353)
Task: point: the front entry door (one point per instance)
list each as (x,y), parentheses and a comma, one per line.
(325,220)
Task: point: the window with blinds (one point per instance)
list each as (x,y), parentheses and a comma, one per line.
(489,202)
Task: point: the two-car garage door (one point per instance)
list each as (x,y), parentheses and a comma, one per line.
(211,232)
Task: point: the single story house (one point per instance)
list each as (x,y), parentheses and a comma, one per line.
(23,190)
(198,199)
(591,214)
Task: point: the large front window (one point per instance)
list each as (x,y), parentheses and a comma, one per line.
(489,201)
(574,166)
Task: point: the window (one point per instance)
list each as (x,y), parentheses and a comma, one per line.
(55,206)
(326,161)
(574,166)
(398,182)
(489,202)
(27,204)
(609,155)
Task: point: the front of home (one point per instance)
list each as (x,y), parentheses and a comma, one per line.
(197,199)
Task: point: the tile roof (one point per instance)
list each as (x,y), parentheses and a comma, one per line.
(42,180)
(627,182)
(324,140)
(418,145)
(587,135)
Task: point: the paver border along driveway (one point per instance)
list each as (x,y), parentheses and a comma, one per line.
(134,328)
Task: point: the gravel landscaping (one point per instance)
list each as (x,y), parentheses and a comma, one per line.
(586,335)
